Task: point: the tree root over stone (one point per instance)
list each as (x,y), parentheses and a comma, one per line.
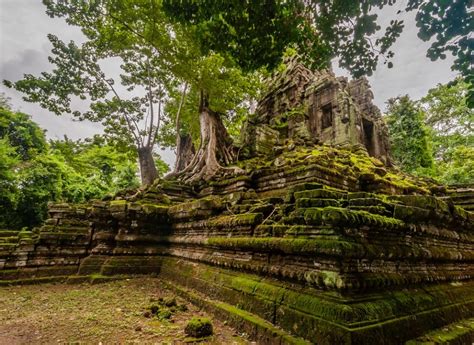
(216,147)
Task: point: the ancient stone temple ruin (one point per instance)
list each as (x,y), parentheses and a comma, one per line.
(310,243)
(318,107)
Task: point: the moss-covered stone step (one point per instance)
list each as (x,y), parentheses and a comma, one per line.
(457,333)
(8,246)
(281,181)
(24,273)
(131,265)
(282,230)
(31,281)
(249,219)
(345,217)
(241,208)
(8,233)
(321,317)
(257,207)
(9,240)
(196,209)
(311,202)
(380,210)
(339,246)
(258,329)
(320,194)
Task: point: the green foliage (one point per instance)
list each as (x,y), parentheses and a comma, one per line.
(161,166)
(449,116)
(23,134)
(8,189)
(158,58)
(78,74)
(40,180)
(409,136)
(459,168)
(257,33)
(437,129)
(33,173)
(452,133)
(450,24)
(96,168)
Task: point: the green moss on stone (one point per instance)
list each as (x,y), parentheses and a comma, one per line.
(319,194)
(236,220)
(288,245)
(199,327)
(349,218)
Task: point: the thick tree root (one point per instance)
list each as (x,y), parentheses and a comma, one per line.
(216,146)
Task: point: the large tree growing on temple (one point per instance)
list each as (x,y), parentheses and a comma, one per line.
(113,27)
(255,34)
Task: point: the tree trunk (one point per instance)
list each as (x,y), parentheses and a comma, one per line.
(147,165)
(215,148)
(185,152)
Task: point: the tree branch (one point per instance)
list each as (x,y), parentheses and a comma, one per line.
(127,119)
(178,113)
(152,111)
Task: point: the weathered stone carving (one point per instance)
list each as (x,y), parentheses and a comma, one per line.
(319,107)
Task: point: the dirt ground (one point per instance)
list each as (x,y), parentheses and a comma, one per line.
(107,313)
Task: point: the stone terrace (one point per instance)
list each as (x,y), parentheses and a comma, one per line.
(313,245)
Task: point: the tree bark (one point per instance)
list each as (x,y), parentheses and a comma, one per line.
(185,152)
(215,148)
(148,170)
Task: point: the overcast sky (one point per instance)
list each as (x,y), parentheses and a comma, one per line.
(24,48)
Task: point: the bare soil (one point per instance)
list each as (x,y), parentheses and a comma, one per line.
(107,313)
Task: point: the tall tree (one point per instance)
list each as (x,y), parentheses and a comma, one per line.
(452,132)
(78,73)
(115,26)
(34,172)
(9,159)
(447,113)
(257,33)
(23,134)
(408,134)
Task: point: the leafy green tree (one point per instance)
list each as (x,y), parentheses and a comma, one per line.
(40,180)
(256,33)
(409,136)
(131,120)
(33,172)
(117,28)
(452,134)
(459,168)
(447,113)
(448,25)
(9,159)
(23,134)
(96,168)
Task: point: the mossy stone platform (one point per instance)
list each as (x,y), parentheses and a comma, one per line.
(315,245)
